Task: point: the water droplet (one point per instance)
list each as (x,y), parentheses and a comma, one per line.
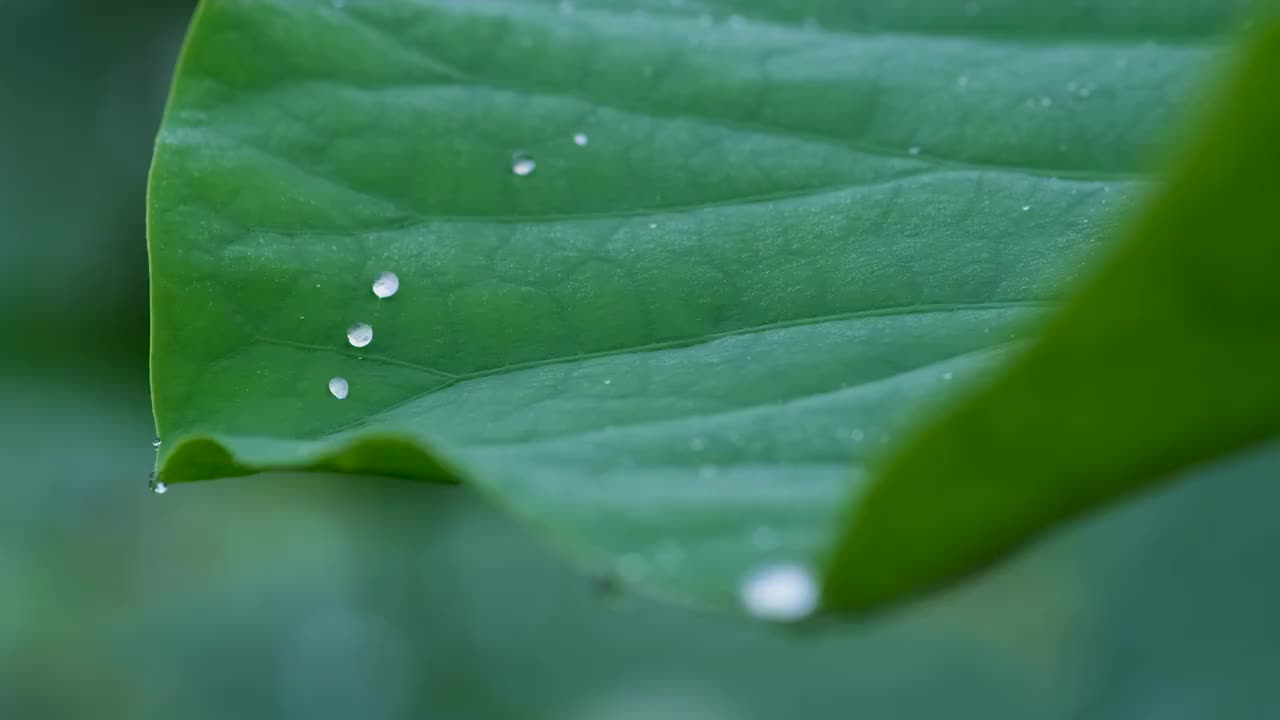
(157,485)
(1026,208)
(913,151)
(962,82)
(339,388)
(155,442)
(653,226)
(947,376)
(698,444)
(857,436)
(522,164)
(581,139)
(360,334)
(386,285)
(781,593)
(764,538)
(1046,101)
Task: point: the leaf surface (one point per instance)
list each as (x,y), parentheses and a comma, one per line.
(792,231)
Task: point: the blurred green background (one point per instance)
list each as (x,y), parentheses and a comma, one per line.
(362,598)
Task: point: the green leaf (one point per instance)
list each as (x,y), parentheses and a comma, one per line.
(670,349)
(1170,357)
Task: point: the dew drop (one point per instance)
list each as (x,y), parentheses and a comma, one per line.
(857,436)
(581,139)
(781,593)
(653,226)
(386,284)
(155,442)
(698,444)
(522,164)
(360,334)
(339,388)
(1026,208)
(157,485)
(913,151)
(947,376)
(1046,101)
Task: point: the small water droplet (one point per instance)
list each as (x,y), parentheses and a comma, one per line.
(339,388)
(1046,101)
(947,376)
(157,485)
(857,436)
(1026,208)
(962,82)
(781,593)
(581,139)
(913,151)
(386,284)
(653,226)
(698,444)
(522,164)
(360,334)
(155,442)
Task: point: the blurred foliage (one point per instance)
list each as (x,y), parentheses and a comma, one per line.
(329,598)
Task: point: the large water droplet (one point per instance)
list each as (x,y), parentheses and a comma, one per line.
(157,485)
(386,285)
(339,388)
(360,334)
(581,139)
(782,593)
(522,164)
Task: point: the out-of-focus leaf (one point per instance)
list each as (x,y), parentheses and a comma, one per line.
(1169,358)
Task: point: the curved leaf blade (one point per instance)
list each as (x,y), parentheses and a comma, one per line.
(664,348)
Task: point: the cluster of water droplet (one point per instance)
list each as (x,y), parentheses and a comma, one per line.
(360,334)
